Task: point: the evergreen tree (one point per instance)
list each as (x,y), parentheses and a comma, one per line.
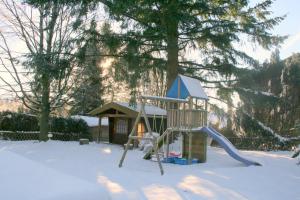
(290,80)
(158,34)
(277,107)
(88,91)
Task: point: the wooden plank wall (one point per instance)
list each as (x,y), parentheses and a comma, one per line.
(199,146)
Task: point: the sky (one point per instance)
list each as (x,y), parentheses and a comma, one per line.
(289,26)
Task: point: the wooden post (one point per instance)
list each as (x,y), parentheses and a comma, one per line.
(190,148)
(190,111)
(99,131)
(168,114)
(184,117)
(205,114)
(168,146)
(178,91)
(133,131)
(154,143)
(190,103)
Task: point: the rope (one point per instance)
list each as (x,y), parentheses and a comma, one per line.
(161,128)
(154,123)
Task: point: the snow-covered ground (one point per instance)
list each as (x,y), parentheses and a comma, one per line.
(65,170)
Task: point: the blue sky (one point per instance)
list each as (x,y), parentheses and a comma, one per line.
(290,26)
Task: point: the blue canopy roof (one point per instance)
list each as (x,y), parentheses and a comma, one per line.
(184,87)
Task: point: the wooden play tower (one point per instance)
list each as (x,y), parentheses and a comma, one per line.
(186,106)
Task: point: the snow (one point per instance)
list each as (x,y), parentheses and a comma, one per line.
(146,144)
(66,170)
(23,178)
(259,92)
(194,87)
(149,109)
(92,121)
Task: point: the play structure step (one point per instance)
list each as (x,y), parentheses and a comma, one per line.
(139,137)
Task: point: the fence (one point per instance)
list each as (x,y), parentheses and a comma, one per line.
(243,143)
(263,144)
(34,135)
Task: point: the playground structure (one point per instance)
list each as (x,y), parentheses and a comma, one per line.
(186,107)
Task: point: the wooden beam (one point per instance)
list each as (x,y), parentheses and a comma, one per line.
(178,92)
(166,99)
(116,115)
(190,148)
(133,131)
(154,143)
(99,131)
(206,120)
(168,146)
(112,105)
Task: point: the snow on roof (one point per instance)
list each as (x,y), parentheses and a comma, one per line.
(186,86)
(91,121)
(150,109)
(194,87)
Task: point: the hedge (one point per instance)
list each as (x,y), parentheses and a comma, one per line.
(11,121)
(66,128)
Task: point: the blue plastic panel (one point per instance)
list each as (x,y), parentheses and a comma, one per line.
(173,91)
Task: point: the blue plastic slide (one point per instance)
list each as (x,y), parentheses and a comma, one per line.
(227,146)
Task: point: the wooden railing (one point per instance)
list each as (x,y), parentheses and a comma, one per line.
(186,119)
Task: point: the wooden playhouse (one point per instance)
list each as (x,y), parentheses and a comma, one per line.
(121,117)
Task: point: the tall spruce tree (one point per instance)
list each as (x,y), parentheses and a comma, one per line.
(160,33)
(88,92)
(273,94)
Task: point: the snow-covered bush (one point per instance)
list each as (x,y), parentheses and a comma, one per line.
(68,125)
(10,121)
(63,128)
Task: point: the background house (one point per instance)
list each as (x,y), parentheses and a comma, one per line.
(121,117)
(94,126)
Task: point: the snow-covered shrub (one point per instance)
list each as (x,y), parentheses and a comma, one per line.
(58,124)
(77,126)
(26,126)
(10,121)
(69,126)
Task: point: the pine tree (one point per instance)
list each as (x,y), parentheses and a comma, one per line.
(278,106)
(88,92)
(158,34)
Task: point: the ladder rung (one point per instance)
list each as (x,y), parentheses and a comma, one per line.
(134,137)
(139,137)
(160,154)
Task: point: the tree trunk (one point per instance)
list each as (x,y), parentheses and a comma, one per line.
(45,82)
(45,109)
(171,23)
(172,47)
